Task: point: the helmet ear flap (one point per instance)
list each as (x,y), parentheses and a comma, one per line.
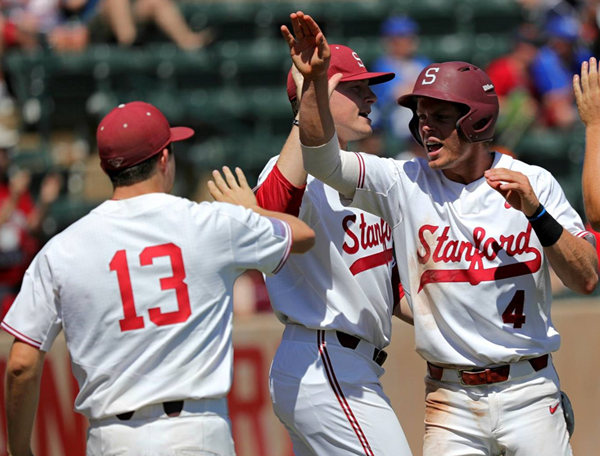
(481,130)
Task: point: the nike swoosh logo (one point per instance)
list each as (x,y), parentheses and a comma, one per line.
(553,409)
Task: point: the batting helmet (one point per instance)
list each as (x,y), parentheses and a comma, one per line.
(462,83)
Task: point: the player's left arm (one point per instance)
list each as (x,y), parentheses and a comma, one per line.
(232,189)
(574,259)
(23,377)
(587,94)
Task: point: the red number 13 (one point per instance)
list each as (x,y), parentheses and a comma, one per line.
(131,319)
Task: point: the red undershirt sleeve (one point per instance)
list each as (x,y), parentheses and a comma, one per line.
(277,193)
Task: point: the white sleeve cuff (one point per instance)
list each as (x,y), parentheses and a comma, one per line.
(337,168)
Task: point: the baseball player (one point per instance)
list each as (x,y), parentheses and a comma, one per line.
(336,302)
(141,287)
(474,233)
(587,96)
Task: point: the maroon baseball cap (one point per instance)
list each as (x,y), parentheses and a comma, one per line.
(344,60)
(134,132)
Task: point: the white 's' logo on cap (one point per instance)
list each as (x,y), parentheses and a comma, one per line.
(360,62)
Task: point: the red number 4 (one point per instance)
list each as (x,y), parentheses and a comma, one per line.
(513,314)
(131,319)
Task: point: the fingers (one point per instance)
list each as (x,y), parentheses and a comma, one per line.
(592,81)
(220,183)
(230,178)
(588,80)
(577,89)
(495,174)
(241,177)
(214,191)
(311,26)
(295,20)
(287,36)
(504,180)
(305,28)
(584,76)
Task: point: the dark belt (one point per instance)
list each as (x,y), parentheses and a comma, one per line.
(348,341)
(172,408)
(489,375)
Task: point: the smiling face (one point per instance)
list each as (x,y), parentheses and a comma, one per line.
(350,107)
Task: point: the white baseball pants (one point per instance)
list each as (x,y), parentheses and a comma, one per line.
(330,399)
(201,429)
(519,417)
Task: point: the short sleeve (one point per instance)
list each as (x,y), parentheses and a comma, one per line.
(258,242)
(33,318)
(277,193)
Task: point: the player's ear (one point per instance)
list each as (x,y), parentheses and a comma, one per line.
(165,156)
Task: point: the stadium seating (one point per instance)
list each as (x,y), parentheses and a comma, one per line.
(233,92)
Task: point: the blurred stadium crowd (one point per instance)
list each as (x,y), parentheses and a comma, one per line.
(219,66)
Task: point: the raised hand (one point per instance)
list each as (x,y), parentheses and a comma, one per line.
(308,48)
(587,92)
(232,190)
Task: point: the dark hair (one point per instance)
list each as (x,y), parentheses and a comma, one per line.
(136,173)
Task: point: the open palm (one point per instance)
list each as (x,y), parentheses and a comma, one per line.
(308,48)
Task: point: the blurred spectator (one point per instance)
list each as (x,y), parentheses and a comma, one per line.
(510,75)
(553,68)
(125,16)
(399,35)
(20,220)
(590,31)
(28,24)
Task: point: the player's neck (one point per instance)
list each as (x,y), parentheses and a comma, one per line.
(151,185)
(472,167)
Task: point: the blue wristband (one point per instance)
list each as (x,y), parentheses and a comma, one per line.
(541,210)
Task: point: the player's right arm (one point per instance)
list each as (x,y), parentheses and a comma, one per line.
(230,190)
(321,154)
(283,188)
(587,94)
(23,377)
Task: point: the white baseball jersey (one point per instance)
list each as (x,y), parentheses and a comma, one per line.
(142,289)
(343,283)
(472,268)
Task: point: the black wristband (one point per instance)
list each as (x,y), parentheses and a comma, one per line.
(547,229)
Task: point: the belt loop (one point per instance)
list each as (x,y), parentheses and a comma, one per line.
(351,342)
(125,416)
(173,408)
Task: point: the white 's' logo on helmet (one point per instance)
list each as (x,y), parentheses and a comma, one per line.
(430,76)
(488,87)
(360,62)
